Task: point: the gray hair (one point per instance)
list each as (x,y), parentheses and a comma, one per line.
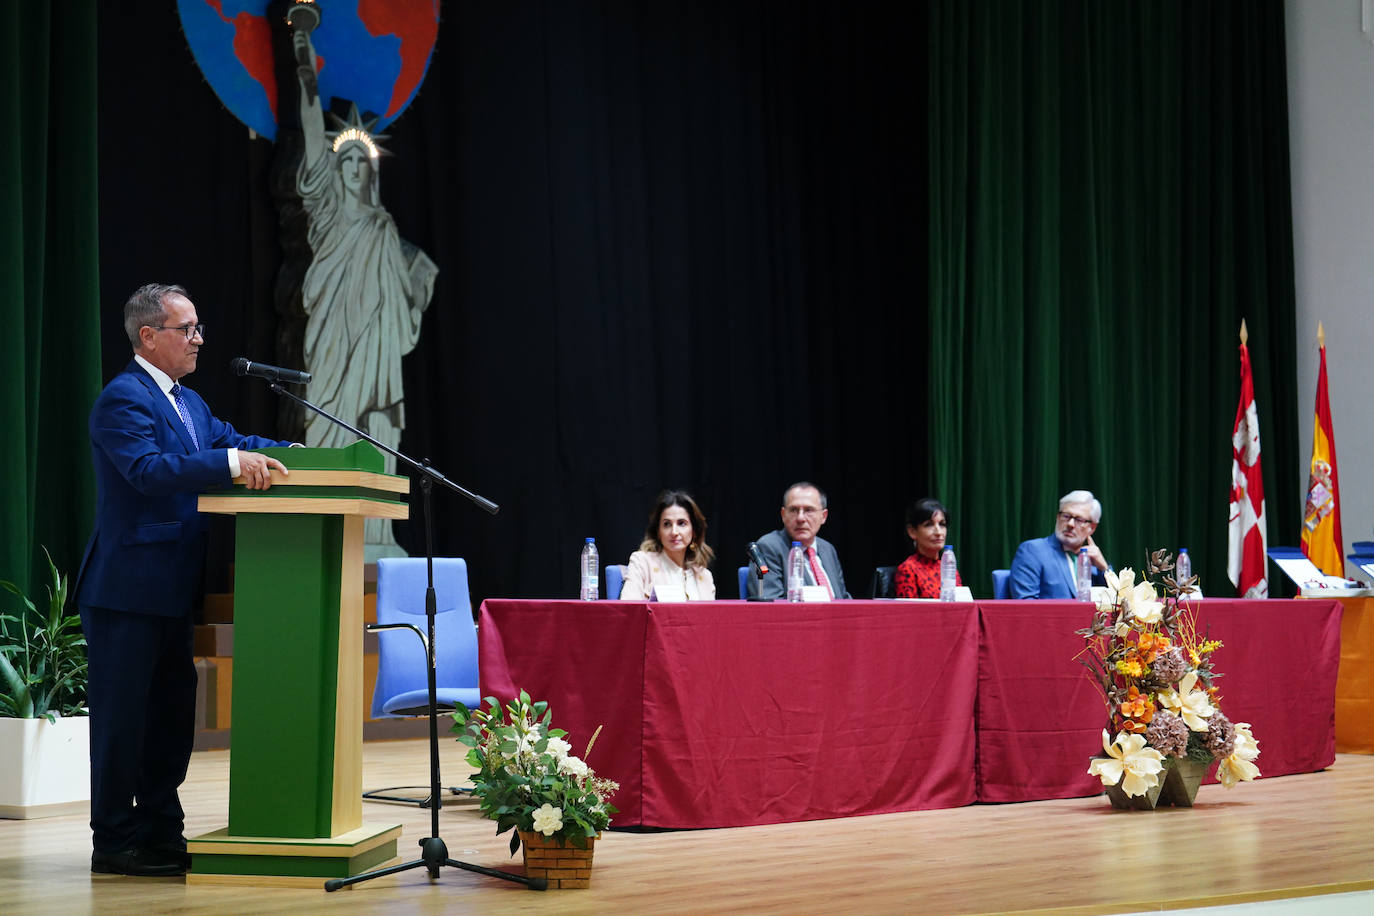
(805,485)
(1078,498)
(145,309)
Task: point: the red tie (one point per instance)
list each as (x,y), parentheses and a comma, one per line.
(819,572)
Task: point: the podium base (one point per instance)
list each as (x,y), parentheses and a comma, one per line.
(218,858)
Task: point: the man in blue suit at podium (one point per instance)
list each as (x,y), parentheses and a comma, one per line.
(155,446)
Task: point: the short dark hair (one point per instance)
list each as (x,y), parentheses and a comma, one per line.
(805,484)
(145,308)
(698,553)
(923,510)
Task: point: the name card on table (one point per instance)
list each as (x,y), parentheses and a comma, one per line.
(669,591)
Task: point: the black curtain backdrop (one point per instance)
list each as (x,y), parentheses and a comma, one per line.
(681,244)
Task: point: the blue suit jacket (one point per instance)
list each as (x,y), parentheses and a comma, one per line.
(148,547)
(1041,570)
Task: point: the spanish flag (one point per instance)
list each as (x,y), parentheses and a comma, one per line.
(1321,523)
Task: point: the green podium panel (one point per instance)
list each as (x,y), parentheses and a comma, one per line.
(295,766)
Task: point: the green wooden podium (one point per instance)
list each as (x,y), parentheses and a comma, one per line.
(295,766)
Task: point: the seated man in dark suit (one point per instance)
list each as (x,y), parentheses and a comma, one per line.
(804,510)
(155,446)
(1045,567)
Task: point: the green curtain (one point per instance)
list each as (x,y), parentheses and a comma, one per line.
(50,356)
(1109,197)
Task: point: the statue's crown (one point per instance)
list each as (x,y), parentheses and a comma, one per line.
(354,129)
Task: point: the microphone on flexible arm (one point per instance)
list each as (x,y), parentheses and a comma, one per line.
(756,557)
(244,366)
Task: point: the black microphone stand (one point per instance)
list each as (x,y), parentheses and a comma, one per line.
(433,851)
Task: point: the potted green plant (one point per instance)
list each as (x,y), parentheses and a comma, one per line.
(44,731)
(529,779)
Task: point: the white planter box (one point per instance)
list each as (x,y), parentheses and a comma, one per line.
(45,768)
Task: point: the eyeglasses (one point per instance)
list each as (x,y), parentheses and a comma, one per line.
(190,330)
(803,510)
(1068,519)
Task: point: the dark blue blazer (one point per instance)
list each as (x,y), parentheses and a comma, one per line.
(1040,570)
(148,547)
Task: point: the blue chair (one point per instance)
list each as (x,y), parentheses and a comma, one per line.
(402,667)
(1000,584)
(615,580)
(744,583)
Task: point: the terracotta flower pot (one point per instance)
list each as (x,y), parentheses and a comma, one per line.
(1178,785)
(553,858)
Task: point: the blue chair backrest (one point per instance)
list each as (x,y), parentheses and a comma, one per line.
(401,663)
(1000,583)
(744,583)
(615,580)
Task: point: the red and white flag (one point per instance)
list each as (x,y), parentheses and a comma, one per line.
(1245,557)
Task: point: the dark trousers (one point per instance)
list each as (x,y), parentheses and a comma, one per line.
(143,708)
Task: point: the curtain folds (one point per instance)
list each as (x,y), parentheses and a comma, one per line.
(50,356)
(1109,197)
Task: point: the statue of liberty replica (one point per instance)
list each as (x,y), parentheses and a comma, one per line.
(351,292)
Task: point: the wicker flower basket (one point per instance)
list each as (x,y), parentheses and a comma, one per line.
(553,858)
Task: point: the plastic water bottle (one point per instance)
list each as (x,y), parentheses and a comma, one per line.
(1085,575)
(1183,567)
(591,578)
(949,573)
(796,571)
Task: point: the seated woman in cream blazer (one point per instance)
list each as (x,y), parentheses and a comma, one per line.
(674,552)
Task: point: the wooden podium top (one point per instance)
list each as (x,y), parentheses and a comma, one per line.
(316,492)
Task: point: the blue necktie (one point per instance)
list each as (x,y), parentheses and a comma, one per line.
(185,414)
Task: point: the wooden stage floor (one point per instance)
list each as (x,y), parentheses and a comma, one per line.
(1284,837)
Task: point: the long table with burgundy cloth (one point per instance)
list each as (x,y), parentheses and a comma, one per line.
(732,713)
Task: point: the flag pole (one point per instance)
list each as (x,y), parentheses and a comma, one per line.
(1244,335)
(1321,336)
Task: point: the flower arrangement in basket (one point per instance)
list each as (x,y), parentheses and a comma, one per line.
(1156,675)
(527,776)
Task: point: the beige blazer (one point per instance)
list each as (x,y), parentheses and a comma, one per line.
(647,569)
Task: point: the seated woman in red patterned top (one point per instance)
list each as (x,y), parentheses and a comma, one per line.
(919,574)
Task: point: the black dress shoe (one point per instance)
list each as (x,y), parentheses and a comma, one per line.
(142,863)
(175,851)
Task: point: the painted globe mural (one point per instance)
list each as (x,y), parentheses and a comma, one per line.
(374,53)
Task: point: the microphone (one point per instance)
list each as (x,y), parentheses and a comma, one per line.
(757,556)
(243,366)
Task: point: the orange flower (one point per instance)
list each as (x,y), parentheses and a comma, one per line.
(1150,645)
(1137,710)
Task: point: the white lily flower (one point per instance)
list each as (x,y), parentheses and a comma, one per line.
(1144,605)
(1188,704)
(1128,762)
(1238,767)
(1119,584)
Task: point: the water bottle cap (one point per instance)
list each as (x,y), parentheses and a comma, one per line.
(949,547)
(1182,550)
(796,543)
(1082,550)
(591,540)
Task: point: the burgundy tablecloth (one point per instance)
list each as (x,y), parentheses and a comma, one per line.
(587,659)
(1040,717)
(734,713)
